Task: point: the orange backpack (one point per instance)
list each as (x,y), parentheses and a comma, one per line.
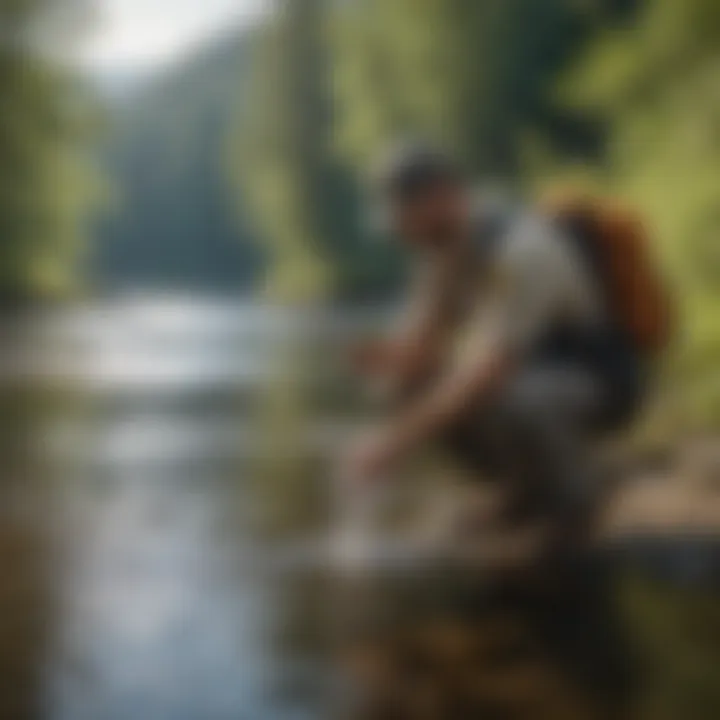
(616,242)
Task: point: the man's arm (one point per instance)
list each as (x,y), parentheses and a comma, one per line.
(522,301)
(412,355)
(469,385)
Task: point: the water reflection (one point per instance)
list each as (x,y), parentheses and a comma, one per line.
(26,609)
(142,581)
(167,608)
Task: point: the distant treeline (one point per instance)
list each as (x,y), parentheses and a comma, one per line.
(47,184)
(173,221)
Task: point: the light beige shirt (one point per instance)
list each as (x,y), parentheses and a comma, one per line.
(510,295)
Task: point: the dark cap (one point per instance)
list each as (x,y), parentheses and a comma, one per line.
(410,169)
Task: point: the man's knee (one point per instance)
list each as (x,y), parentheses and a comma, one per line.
(523,419)
(551,397)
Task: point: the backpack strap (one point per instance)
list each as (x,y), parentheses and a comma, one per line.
(494,217)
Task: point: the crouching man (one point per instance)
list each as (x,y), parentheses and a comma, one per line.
(531,331)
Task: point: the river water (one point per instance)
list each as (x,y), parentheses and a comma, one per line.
(134,531)
(140,580)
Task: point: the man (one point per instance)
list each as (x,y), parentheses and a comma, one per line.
(540,366)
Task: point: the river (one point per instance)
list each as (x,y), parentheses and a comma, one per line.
(140,580)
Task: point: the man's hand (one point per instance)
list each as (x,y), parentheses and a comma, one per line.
(467,386)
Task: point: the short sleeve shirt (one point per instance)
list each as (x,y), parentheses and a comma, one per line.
(510,289)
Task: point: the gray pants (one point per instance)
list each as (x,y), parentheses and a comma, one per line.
(536,439)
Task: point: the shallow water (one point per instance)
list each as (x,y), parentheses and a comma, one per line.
(140,577)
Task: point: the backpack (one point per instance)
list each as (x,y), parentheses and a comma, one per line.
(616,244)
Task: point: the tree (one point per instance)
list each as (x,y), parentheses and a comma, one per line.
(45,181)
(305,200)
(279,155)
(654,83)
(474,75)
(279,160)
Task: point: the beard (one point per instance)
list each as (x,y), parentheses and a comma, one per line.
(441,233)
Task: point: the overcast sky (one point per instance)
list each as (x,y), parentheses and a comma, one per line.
(143,35)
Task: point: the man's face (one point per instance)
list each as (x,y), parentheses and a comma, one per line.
(432,219)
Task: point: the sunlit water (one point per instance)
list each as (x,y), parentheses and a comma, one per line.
(140,580)
(162,594)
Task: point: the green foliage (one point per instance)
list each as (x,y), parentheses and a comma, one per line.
(306,203)
(623,92)
(334,82)
(46,181)
(677,638)
(655,84)
(281,159)
(472,75)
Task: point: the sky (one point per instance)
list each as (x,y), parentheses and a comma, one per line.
(144,35)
